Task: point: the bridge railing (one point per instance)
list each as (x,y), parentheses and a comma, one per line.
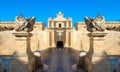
(45,53)
(79,56)
(74,53)
(40,56)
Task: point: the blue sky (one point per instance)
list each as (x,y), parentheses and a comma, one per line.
(43,9)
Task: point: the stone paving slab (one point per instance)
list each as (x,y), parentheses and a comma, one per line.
(60,60)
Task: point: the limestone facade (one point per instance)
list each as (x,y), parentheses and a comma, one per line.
(61,30)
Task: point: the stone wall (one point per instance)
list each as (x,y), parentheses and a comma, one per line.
(7,43)
(4,25)
(7,26)
(114,26)
(109,26)
(113,43)
(42,40)
(80,40)
(76,40)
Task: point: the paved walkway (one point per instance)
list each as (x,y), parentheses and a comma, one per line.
(60,61)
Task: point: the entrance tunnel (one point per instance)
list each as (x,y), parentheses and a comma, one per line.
(60,44)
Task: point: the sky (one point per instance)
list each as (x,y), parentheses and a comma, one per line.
(43,9)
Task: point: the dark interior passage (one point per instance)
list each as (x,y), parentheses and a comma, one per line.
(60,44)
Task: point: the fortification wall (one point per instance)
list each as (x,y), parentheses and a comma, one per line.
(113,25)
(7,25)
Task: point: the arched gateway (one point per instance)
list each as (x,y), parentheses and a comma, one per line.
(60,44)
(60,29)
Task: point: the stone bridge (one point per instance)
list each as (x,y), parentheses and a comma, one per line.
(60,60)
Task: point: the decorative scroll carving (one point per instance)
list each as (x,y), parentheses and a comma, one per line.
(24,24)
(95,24)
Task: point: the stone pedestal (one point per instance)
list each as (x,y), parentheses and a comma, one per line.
(23,59)
(96,59)
(98,43)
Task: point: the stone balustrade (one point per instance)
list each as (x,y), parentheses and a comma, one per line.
(45,53)
(40,56)
(79,56)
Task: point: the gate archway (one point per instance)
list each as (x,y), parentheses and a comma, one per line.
(60,44)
